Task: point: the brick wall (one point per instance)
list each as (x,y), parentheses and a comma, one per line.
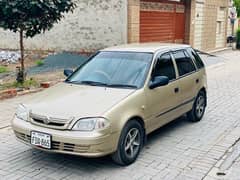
(93,25)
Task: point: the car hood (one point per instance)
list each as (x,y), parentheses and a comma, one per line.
(66,101)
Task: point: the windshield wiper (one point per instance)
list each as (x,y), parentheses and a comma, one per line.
(73,82)
(122,85)
(93,83)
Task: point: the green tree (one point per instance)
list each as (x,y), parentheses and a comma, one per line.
(237,5)
(238,38)
(31,17)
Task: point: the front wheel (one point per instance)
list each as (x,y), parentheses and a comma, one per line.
(199,107)
(130,143)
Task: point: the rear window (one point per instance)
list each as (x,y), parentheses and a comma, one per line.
(199,63)
(184,62)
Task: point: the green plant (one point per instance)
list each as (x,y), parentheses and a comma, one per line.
(3,69)
(238,38)
(238,34)
(31,17)
(39,62)
(237,5)
(27,84)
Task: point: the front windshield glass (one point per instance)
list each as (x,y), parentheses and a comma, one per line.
(115,69)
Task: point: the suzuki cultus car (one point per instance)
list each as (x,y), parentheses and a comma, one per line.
(113,101)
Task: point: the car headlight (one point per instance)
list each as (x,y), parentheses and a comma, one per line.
(90,124)
(22,112)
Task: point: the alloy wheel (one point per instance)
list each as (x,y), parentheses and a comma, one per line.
(200,106)
(132,143)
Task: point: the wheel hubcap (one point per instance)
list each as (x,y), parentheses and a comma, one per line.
(200,106)
(132,143)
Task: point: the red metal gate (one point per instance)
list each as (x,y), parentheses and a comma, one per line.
(162,22)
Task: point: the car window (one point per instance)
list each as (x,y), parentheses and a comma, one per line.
(184,62)
(114,69)
(196,58)
(165,67)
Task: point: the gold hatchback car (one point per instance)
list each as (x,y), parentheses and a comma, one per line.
(114,100)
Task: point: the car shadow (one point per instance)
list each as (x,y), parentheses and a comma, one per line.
(166,130)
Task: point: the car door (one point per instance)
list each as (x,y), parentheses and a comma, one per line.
(188,79)
(162,102)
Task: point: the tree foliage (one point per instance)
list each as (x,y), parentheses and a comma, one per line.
(237,5)
(32,16)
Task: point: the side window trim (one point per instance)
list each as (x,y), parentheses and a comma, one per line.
(193,61)
(196,60)
(175,65)
(179,77)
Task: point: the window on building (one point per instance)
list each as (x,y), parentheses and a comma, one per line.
(219,27)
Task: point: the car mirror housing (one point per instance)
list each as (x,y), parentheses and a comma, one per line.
(67,72)
(159,81)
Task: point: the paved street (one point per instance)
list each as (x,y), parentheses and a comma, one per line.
(182,150)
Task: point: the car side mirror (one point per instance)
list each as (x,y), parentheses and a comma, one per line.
(159,81)
(67,72)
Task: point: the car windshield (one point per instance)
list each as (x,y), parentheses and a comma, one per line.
(114,69)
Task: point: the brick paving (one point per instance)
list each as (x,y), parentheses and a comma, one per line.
(180,150)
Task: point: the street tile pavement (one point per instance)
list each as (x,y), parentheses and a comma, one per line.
(180,151)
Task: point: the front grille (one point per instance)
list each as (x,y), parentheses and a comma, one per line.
(49,122)
(23,137)
(59,146)
(69,147)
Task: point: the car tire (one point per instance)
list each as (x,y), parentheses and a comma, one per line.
(130,143)
(199,107)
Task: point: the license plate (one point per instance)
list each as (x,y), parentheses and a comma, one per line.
(41,139)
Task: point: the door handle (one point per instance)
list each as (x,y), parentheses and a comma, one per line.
(197,81)
(176,90)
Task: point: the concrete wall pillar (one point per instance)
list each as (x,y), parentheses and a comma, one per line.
(133,21)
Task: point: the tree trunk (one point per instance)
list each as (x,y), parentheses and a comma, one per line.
(22,51)
(21,70)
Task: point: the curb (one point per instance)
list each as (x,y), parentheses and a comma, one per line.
(11,93)
(29,91)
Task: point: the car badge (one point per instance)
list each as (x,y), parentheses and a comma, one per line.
(47,120)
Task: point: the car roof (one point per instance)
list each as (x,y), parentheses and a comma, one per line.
(147,47)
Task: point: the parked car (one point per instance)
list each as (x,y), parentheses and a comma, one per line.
(113,101)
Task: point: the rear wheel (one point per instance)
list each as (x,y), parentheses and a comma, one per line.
(199,107)
(130,143)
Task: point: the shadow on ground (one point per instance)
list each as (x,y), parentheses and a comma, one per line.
(57,62)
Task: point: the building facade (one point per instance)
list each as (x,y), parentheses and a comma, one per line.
(97,24)
(94,24)
(201,23)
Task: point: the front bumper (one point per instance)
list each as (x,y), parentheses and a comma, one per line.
(88,144)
